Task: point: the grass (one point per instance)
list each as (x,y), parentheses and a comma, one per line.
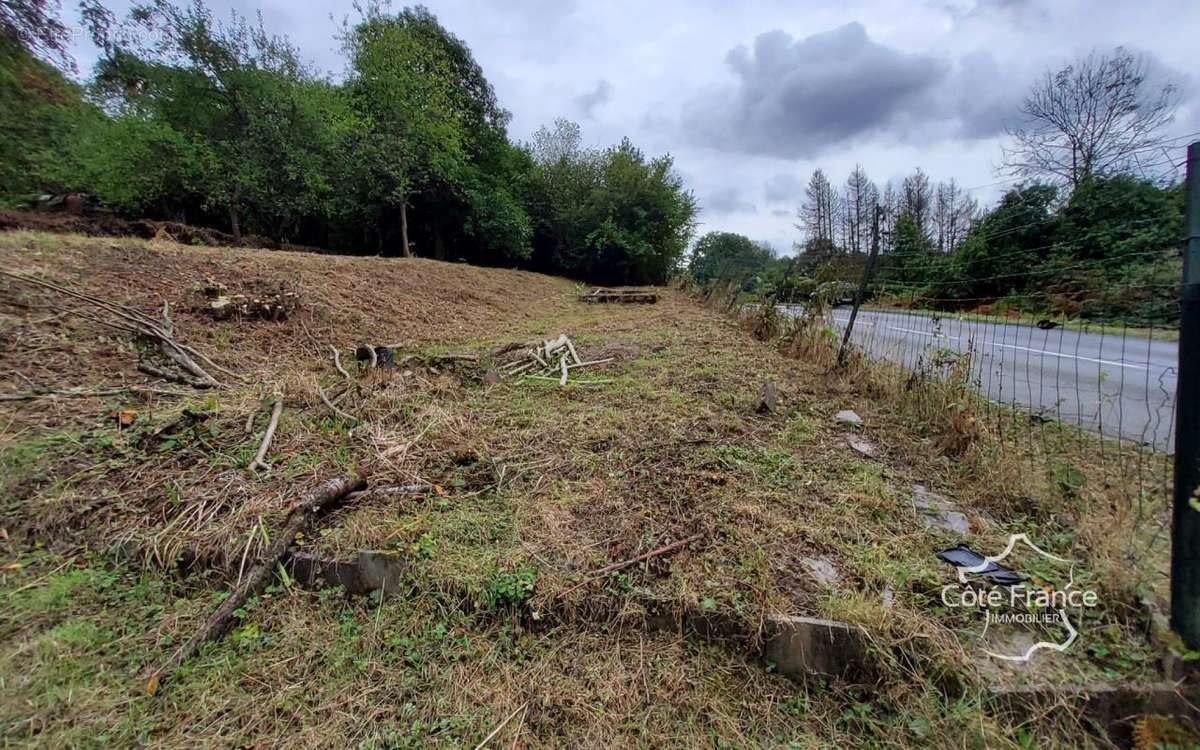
(540,484)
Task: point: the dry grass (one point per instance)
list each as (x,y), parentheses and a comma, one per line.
(540,484)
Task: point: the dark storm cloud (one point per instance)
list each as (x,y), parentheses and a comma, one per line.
(795,98)
(588,102)
(727,200)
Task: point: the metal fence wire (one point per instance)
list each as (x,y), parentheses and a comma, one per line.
(1087,397)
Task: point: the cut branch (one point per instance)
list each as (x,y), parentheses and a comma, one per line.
(218,622)
(664,550)
(268,436)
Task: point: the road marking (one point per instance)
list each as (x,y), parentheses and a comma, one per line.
(859,322)
(1075,356)
(923,333)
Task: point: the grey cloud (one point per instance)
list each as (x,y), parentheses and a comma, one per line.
(727,200)
(594,98)
(796,98)
(783,188)
(985,99)
(781,212)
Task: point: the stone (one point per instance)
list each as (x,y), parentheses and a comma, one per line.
(491,377)
(822,569)
(937,512)
(846,416)
(863,447)
(803,646)
(382,570)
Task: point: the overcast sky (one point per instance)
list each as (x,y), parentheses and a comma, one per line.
(750,97)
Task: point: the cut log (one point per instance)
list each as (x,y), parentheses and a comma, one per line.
(218,622)
(768,398)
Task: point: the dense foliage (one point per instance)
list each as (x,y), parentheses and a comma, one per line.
(222,124)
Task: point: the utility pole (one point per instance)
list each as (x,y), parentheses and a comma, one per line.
(868,274)
(1185,532)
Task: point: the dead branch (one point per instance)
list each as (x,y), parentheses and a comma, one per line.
(500,726)
(268,436)
(337,362)
(127,319)
(562,361)
(334,408)
(666,549)
(407,488)
(86,392)
(218,622)
(158,372)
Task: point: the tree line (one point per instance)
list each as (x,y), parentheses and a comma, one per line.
(223,124)
(1090,228)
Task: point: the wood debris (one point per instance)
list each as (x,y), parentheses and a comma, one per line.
(628,296)
(552,359)
(218,622)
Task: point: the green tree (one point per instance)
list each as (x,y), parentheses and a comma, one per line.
(724,257)
(240,100)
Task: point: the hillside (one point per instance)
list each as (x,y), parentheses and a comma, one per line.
(127,516)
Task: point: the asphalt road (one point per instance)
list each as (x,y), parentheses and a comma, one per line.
(1108,383)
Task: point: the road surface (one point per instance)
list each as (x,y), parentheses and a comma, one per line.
(1108,383)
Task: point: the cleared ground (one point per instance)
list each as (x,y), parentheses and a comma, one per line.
(119,537)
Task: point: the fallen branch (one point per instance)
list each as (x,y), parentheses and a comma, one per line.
(337,362)
(268,436)
(333,408)
(632,561)
(218,622)
(502,724)
(127,319)
(86,392)
(407,488)
(157,372)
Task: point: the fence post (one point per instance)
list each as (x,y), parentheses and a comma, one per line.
(1185,531)
(868,273)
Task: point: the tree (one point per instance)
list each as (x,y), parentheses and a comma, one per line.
(1017,234)
(858,206)
(916,200)
(728,257)
(238,98)
(1097,116)
(402,83)
(34,26)
(818,213)
(953,212)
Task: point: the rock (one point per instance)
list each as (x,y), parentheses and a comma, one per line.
(864,447)
(937,512)
(822,569)
(847,416)
(803,646)
(382,570)
(491,377)
(767,398)
(888,597)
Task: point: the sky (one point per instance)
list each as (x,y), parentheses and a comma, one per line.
(750,97)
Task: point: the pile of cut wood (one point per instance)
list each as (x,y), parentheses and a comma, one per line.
(636,296)
(553,359)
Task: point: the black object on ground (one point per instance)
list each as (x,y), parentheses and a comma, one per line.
(962,556)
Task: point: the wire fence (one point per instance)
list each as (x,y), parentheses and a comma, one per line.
(1092,402)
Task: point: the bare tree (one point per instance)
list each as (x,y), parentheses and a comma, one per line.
(953,212)
(818,213)
(916,200)
(859,202)
(1093,117)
